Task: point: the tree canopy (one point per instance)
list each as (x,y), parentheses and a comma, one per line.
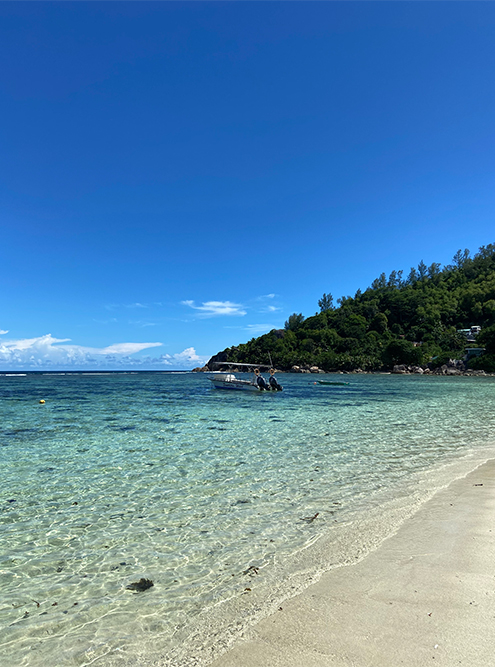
(395,320)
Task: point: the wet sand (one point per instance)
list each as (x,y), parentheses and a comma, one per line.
(425,596)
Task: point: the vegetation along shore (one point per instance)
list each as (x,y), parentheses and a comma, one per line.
(435,320)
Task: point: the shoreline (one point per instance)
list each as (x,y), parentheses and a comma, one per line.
(234,537)
(427,592)
(441,371)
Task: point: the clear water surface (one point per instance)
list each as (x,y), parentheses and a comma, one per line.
(208,493)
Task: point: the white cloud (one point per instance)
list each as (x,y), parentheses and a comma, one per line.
(142,323)
(41,344)
(263,305)
(185,359)
(124,348)
(216,308)
(48,352)
(257,329)
(3,332)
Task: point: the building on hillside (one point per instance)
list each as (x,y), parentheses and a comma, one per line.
(473,352)
(471,333)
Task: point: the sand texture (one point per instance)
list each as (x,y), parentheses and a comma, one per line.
(426,596)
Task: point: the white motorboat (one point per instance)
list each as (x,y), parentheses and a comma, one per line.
(230,381)
(227,379)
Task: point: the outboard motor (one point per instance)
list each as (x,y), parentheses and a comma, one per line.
(261,382)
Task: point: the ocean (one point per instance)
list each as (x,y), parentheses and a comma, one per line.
(228,502)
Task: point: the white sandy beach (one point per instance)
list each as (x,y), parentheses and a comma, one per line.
(426,596)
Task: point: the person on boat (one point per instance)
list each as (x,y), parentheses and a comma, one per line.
(273,381)
(260,380)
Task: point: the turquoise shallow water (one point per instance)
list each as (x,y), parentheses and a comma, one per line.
(123,476)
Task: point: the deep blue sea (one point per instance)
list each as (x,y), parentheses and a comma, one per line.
(228,502)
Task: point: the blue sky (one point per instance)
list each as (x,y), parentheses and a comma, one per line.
(176,178)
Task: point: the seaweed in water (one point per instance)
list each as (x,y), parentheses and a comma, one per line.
(141,585)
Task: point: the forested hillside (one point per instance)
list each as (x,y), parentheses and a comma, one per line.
(398,320)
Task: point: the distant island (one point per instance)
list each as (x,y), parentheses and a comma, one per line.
(435,318)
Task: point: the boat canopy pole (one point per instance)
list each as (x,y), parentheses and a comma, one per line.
(233,364)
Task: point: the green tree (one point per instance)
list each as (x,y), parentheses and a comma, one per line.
(422,270)
(294,322)
(412,277)
(379,323)
(401,352)
(486,339)
(489,310)
(434,270)
(379,283)
(461,258)
(326,302)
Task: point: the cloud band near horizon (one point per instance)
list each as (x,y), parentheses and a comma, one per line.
(49,352)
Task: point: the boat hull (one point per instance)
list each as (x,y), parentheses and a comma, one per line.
(230,381)
(239,385)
